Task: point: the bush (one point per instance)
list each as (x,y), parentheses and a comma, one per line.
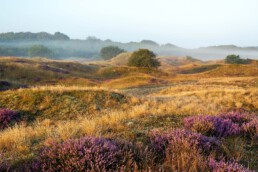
(4,166)
(212,126)
(7,118)
(182,150)
(143,58)
(40,51)
(251,129)
(86,154)
(235,59)
(178,139)
(225,124)
(226,166)
(109,52)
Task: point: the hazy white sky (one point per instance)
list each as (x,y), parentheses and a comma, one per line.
(186,23)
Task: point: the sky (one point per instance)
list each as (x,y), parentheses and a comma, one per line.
(186,23)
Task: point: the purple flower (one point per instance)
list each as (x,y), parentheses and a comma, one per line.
(212,125)
(251,128)
(7,118)
(181,138)
(86,154)
(4,166)
(223,125)
(237,117)
(222,166)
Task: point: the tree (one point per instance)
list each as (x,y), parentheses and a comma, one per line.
(109,52)
(60,36)
(143,58)
(40,51)
(235,59)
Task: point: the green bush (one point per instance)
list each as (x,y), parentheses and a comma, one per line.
(109,52)
(235,59)
(40,51)
(143,58)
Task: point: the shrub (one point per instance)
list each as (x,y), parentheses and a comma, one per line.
(251,128)
(247,122)
(3,165)
(225,124)
(178,139)
(7,118)
(40,51)
(235,59)
(86,154)
(109,52)
(143,58)
(212,125)
(237,117)
(222,166)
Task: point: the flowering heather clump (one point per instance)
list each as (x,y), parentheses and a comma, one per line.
(3,165)
(7,117)
(212,125)
(181,139)
(251,128)
(222,166)
(226,124)
(86,154)
(237,117)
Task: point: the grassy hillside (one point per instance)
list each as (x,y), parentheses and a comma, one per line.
(61,103)
(41,71)
(121,59)
(65,100)
(235,70)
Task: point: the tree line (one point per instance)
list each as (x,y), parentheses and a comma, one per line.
(11,36)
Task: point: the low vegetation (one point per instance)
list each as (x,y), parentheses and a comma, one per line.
(72,118)
(143,58)
(7,118)
(109,52)
(40,51)
(235,59)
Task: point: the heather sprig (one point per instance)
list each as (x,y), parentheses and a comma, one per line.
(221,166)
(212,125)
(7,118)
(86,154)
(4,166)
(238,117)
(179,138)
(225,124)
(251,129)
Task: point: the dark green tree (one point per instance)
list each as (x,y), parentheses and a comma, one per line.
(40,51)
(143,58)
(109,52)
(235,59)
(60,36)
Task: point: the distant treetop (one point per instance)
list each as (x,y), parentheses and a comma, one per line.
(150,42)
(143,58)
(11,36)
(93,38)
(235,59)
(40,51)
(169,45)
(109,52)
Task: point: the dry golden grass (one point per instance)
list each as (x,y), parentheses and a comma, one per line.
(22,140)
(179,96)
(204,97)
(25,140)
